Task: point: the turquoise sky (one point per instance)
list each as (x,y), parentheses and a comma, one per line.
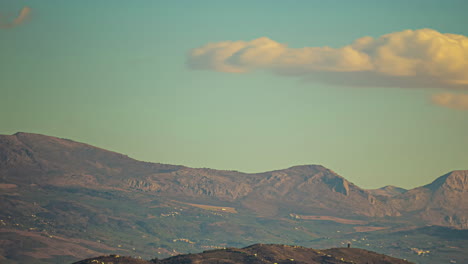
(113,74)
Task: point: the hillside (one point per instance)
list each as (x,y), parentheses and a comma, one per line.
(438,203)
(309,190)
(36,159)
(63,201)
(265,254)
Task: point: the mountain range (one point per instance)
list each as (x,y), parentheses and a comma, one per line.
(308,189)
(49,178)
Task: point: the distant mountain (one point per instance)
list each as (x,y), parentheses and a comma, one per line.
(264,254)
(388,191)
(63,201)
(27,158)
(312,189)
(440,202)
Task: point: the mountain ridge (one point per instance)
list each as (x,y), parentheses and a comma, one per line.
(302,189)
(21,136)
(58,195)
(70,163)
(25,137)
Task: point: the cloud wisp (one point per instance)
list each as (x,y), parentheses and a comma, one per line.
(23,16)
(451,100)
(422,58)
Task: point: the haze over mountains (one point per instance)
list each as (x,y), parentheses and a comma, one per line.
(96,201)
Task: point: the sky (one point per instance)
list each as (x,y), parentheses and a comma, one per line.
(376,91)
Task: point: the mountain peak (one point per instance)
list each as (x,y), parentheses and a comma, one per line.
(318,173)
(311,169)
(388,191)
(456,180)
(393,189)
(307,167)
(458,173)
(27,134)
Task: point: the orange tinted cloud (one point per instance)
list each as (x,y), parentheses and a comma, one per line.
(451,100)
(410,58)
(23,15)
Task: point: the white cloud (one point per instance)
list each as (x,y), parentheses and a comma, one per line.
(411,58)
(23,15)
(451,100)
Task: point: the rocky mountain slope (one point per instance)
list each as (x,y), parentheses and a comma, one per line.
(442,202)
(36,159)
(62,201)
(310,189)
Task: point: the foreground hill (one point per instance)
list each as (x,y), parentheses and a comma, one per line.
(264,254)
(62,201)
